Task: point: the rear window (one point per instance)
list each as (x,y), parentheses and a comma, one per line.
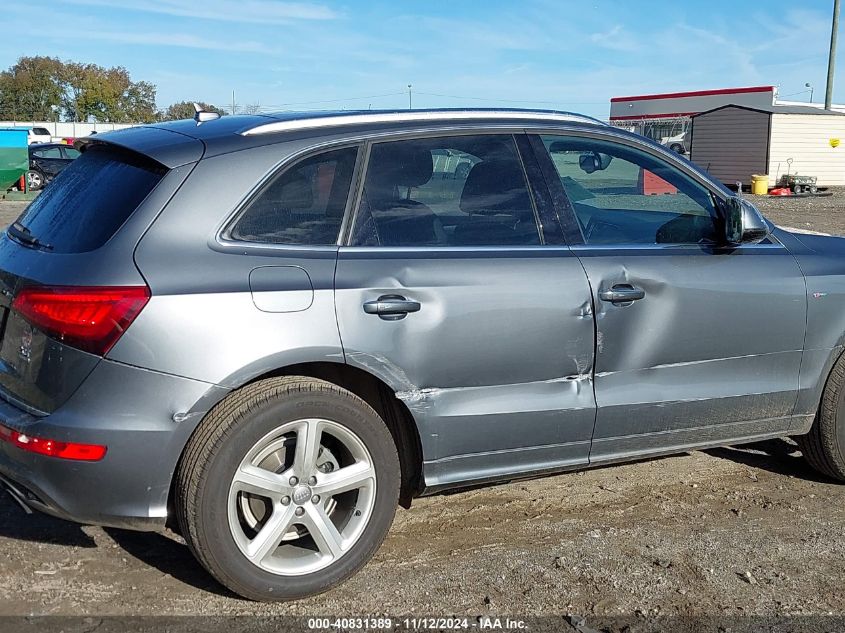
(87,202)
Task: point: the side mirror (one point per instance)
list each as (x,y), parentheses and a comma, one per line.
(743,222)
(594,161)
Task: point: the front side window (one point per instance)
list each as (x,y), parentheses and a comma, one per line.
(304,205)
(623,195)
(446,191)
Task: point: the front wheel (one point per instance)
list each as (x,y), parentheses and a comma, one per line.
(35,180)
(824,446)
(287,488)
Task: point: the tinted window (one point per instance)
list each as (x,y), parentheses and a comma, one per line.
(41,131)
(50,152)
(91,199)
(448,191)
(303,205)
(71,152)
(622,195)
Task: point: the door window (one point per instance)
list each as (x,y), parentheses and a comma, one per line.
(623,195)
(70,152)
(303,205)
(446,191)
(49,152)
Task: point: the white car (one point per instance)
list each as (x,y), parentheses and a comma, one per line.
(678,143)
(39,135)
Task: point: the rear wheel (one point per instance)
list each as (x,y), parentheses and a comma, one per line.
(287,488)
(677,148)
(824,446)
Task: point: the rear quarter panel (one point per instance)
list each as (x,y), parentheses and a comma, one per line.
(202,321)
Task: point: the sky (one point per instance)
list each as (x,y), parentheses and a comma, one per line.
(356,55)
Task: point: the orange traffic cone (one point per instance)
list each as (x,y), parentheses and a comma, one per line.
(22,182)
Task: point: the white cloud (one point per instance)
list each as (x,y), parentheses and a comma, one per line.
(180,40)
(245,11)
(616,39)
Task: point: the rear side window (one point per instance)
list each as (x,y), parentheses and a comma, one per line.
(87,202)
(304,205)
(446,191)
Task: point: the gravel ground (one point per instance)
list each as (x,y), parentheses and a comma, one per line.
(725,532)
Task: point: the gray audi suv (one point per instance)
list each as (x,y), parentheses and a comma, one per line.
(267,331)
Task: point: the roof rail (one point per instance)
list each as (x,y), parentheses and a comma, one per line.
(402,116)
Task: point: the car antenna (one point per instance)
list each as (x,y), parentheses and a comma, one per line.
(201,116)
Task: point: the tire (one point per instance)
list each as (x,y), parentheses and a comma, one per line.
(218,513)
(35,180)
(797,189)
(824,446)
(677,148)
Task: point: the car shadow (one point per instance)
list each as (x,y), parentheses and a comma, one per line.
(780,456)
(156,550)
(169,556)
(37,527)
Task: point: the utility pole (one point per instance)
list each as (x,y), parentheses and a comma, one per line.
(233,102)
(410,103)
(831,60)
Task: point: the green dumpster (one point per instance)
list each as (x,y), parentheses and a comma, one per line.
(14,156)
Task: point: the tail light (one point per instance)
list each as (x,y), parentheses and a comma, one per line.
(91,319)
(52,448)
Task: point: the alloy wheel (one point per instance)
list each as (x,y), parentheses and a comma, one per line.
(301,497)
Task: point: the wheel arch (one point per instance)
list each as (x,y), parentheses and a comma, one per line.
(372,390)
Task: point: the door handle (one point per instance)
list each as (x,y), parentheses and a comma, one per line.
(622,293)
(391,307)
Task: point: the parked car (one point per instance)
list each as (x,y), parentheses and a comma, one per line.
(679,143)
(39,135)
(46,160)
(267,332)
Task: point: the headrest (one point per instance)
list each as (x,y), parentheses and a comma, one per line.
(293,191)
(495,186)
(401,164)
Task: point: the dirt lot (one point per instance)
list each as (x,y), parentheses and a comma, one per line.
(726,532)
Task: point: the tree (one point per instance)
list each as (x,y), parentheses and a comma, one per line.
(30,89)
(185,110)
(44,88)
(106,94)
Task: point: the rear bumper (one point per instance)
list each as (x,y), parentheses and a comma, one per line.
(143,417)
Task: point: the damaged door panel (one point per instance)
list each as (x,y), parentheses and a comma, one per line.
(496,364)
(711,351)
(696,342)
